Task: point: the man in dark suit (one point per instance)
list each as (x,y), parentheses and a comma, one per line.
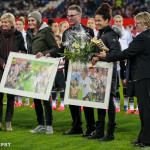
(74,14)
(138,54)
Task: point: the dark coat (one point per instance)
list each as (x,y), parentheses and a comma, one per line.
(111,41)
(138,54)
(44,41)
(18,46)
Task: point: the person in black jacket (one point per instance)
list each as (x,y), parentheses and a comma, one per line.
(74,15)
(10,40)
(111,41)
(138,54)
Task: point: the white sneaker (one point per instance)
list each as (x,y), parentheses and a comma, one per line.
(39,128)
(49,130)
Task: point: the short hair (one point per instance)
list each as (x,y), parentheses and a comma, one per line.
(144,18)
(118,16)
(10,18)
(75,7)
(105,11)
(50,22)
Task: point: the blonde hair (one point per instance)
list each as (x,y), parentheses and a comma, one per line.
(60,25)
(118,16)
(22,19)
(143,18)
(10,18)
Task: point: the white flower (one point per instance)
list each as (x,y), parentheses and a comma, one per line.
(83,45)
(66,43)
(78,35)
(78,50)
(82,33)
(72,50)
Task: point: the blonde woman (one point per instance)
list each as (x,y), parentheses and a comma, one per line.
(20,24)
(64,25)
(10,40)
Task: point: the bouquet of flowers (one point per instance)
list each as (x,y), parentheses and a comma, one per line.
(78,46)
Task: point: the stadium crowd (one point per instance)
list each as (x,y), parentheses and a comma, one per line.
(125,8)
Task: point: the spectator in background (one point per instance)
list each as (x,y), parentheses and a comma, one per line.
(130,85)
(54,25)
(121,7)
(59,84)
(62,27)
(130,27)
(10,40)
(91,24)
(20,24)
(118,3)
(91,7)
(124,42)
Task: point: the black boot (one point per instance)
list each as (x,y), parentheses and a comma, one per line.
(107,138)
(110,133)
(96,135)
(99,132)
(88,133)
(90,130)
(74,131)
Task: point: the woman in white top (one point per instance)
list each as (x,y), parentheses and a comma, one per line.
(62,27)
(20,24)
(91,24)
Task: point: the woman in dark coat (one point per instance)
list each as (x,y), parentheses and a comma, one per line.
(110,39)
(10,40)
(138,55)
(41,42)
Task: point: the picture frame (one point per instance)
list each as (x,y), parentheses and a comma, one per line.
(26,75)
(89,85)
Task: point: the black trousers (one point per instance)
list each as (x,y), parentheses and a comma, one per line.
(76,117)
(111,116)
(39,112)
(142,88)
(10,107)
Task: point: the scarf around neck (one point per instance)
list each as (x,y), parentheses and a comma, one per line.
(8,38)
